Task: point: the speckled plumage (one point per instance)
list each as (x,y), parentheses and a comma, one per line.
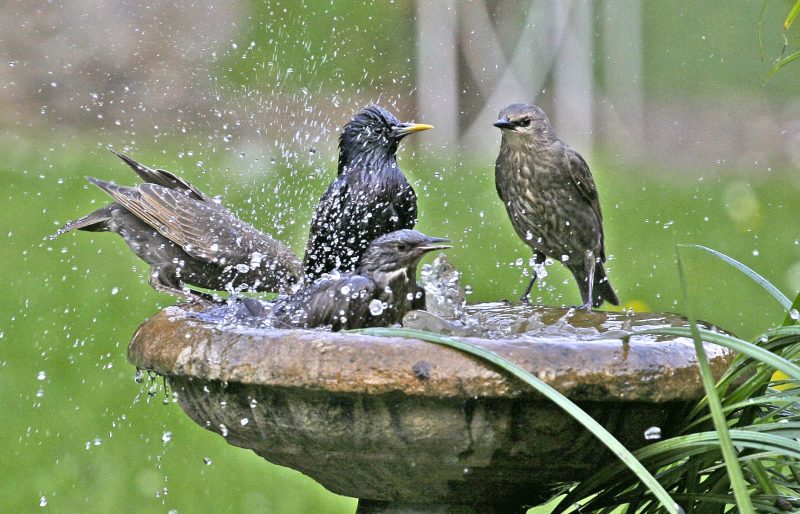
(551,199)
(385,276)
(188,238)
(370,196)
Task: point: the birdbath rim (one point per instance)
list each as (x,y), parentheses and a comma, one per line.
(174,343)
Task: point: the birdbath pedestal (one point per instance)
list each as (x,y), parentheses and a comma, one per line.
(409,426)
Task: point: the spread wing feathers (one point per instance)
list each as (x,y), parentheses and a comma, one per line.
(92,222)
(582,178)
(161,177)
(204,231)
(342,303)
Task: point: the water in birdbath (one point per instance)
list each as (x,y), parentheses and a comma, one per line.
(447,312)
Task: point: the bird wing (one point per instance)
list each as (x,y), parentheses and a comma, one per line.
(324,232)
(582,178)
(404,217)
(325,302)
(204,231)
(161,177)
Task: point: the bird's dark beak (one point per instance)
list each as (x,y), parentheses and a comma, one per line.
(434,243)
(409,128)
(503,123)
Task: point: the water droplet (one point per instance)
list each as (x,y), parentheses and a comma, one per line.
(223,430)
(244,421)
(41,375)
(138,377)
(376,307)
(794,314)
(114,290)
(43,501)
(564,258)
(467,289)
(242,268)
(207,461)
(253,403)
(166,437)
(652,434)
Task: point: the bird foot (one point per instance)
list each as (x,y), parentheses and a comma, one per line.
(585,307)
(525,299)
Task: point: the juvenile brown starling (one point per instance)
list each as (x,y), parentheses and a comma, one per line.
(552,201)
(379,293)
(188,238)
(370,196)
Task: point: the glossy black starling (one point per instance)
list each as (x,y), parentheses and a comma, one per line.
(379,293)
(188,238)
(552,201)
(369,198)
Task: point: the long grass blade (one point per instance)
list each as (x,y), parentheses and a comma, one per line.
(792,16)
(729,454)
(763,282)
(783,62)
(792,315)
(550,393)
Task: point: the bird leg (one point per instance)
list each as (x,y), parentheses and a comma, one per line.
(190,295)
(538,258)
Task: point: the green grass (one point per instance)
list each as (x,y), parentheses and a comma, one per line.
(71,305)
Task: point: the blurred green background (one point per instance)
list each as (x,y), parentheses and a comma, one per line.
(250,112)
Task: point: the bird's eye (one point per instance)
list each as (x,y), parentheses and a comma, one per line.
(524,122)
(402,247)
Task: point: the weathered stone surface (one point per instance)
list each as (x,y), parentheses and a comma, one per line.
(399,420)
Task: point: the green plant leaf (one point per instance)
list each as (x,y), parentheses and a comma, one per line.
(729,452)
(792,16)
(546,390)
(763,282)
(783,62)
(789,320)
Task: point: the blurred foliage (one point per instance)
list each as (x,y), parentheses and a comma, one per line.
(353,48)
(358,48)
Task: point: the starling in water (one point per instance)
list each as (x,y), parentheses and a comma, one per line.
(188,238)
(552,201)
(379,293)
(369,198)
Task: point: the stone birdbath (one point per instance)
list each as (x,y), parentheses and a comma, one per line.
(409,426)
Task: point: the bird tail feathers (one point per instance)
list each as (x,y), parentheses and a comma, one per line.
(602,289)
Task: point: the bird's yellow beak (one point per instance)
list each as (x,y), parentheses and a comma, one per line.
(409,128)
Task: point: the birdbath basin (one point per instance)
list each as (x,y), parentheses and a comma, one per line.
(409,426)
